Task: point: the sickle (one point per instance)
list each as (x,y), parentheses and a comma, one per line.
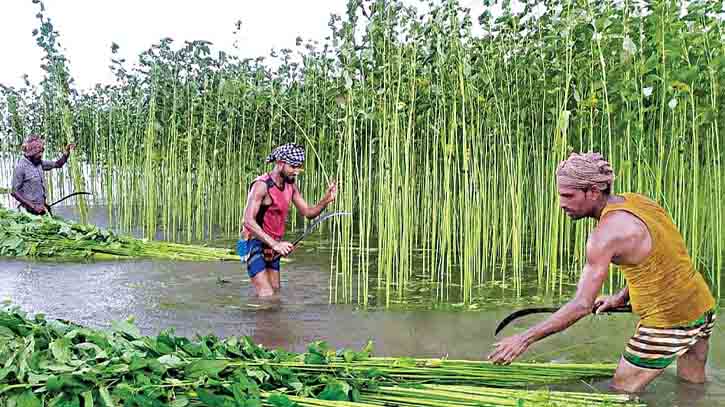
(68,196)
(314,225)
(528,311)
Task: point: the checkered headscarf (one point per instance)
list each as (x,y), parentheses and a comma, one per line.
(293,154)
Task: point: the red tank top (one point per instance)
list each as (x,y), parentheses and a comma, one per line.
(272,218)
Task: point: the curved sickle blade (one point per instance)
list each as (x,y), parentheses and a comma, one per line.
(317,222)
(522,313)
(69,196)
(528,311)
(313,226)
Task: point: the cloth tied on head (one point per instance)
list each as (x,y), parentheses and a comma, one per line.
(583,171)
(32,145)
(291,153)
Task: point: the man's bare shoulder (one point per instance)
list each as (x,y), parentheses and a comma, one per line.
(259,190)
(619,226)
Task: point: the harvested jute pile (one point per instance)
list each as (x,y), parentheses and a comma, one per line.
(25,235)
(61,364)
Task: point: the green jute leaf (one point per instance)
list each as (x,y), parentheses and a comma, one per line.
(280,400)
(60,349)
(213,400)
(210,368)
(335,390)
(87,398)
(127,328)
(28,399)
(180,401)
(171,361)
(106,397)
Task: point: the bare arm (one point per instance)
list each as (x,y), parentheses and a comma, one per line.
(590,284)
(314,211)
(60,162)
(602,246)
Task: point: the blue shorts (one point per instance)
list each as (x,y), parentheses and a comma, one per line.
(257,256)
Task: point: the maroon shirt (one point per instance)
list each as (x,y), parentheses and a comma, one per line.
(273,218)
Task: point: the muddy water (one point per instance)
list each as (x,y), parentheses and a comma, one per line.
(206,298)
(217,298)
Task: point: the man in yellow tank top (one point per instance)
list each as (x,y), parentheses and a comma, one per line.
(673,301)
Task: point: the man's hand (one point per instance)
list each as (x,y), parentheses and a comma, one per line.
(39,209)
(602,304)
(508,349)
(69,148)
(283,248)
(331,193)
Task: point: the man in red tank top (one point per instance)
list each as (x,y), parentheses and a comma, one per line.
(266,213)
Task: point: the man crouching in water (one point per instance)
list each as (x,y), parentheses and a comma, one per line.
(673,301)
(266,214)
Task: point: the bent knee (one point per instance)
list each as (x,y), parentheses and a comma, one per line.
(631,378)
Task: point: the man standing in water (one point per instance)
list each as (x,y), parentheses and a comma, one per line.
(672,299)
(28,183)
(266,214)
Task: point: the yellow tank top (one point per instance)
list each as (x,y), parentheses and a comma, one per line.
(665,289)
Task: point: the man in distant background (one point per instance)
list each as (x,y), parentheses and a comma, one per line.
(28,183)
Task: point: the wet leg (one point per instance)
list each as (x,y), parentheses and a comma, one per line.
(632,379)
(273,278)
(691,365)
(262,284)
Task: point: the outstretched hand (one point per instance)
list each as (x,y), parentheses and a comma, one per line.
(40,209)
(331,193)
(69,148)
(508,349)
